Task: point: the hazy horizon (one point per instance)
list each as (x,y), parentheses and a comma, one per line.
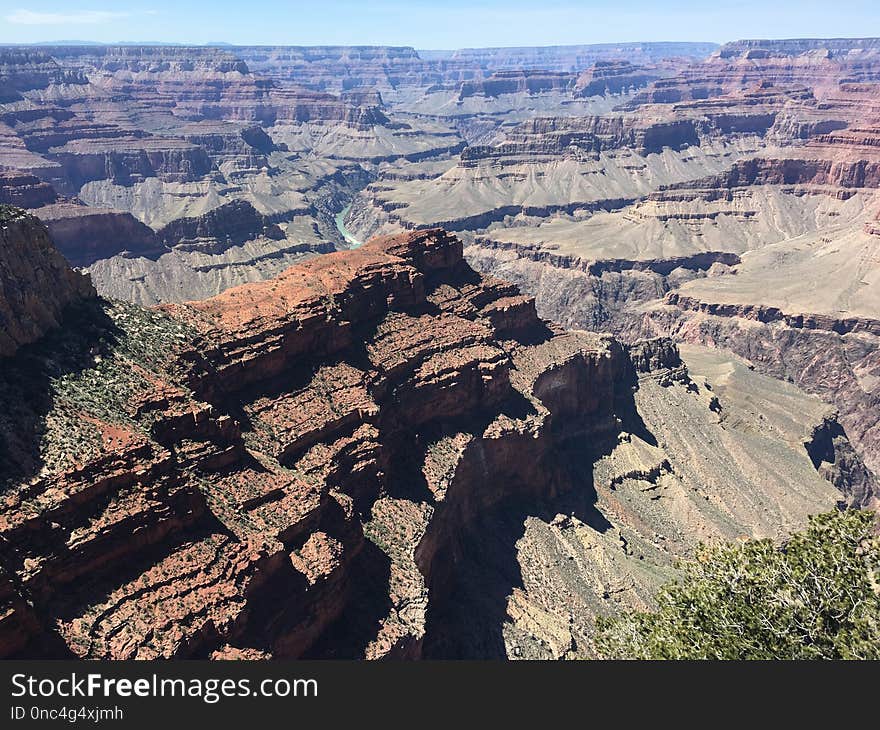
(419,49)
(426,24)
(225,44)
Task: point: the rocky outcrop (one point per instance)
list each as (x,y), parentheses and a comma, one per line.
(576,137)
(856,173)
(235,148)
(293,468)
(822,353)
(132,160)
(288,552)
(86,234)
(674,123)
(833,359)
(24,191)
(232,223)
(833,455)
(582,293)
(765,314)
(36,285)
(664,266)
(517,82)
(611,77)
(655,355)
(43,127)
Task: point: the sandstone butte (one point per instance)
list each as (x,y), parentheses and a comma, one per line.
(378,453)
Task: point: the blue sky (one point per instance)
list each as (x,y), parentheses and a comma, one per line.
(432,23)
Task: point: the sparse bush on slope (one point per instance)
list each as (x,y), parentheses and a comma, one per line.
(815,597)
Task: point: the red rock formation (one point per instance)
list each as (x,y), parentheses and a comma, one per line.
(86,132)
(216,504)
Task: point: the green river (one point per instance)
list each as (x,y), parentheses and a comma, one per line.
(340,225)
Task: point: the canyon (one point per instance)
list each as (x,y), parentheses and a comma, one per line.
(114,145)
(378,453)
(368,352)
(732,203)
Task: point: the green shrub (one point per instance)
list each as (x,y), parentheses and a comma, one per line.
(815,597)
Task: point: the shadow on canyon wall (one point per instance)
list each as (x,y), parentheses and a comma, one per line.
(27,384)
(477,569)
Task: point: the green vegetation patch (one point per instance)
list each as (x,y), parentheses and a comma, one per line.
(10,213)
(92,366)
(815,597)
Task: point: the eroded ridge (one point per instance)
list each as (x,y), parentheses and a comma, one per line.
(305,466)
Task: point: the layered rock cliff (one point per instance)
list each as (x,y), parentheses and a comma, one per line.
(36,284)
(328,443)
(86,234)
(379,453)
(229,224)
(153,136)
(336,68)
